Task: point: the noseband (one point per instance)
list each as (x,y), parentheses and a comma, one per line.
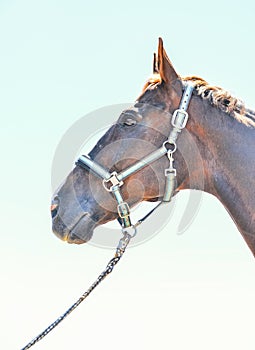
(112,182)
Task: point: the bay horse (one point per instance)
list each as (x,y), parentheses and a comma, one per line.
(220,128)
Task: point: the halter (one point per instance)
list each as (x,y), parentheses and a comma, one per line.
(112,182)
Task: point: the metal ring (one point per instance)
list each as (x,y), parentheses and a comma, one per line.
(128,229)
(172,143)
(105,186)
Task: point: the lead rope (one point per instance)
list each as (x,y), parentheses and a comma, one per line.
(120,250)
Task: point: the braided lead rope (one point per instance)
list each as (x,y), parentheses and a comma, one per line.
(110,266)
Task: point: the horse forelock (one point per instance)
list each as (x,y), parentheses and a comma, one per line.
(152,81)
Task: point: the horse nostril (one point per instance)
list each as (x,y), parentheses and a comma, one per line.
(54,207)
(54,210)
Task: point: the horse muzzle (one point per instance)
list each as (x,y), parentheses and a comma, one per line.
(76,230)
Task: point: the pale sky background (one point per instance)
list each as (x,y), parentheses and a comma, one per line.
(59,61)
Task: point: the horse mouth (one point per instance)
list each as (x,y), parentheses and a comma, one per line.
(81,231)
(73,239)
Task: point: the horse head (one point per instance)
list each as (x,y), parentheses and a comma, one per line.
(206,158)
(81,203)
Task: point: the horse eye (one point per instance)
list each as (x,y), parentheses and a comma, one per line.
(129,122)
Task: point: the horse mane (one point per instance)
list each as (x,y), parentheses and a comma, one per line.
(217,97)
(223,100)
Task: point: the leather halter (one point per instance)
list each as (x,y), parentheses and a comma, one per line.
(112,182)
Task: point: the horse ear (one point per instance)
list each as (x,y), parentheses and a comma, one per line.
(165,67)
(155,64)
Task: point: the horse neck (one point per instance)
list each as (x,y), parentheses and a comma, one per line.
(227,151)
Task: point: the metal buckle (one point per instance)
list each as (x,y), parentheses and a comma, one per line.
(179,119)
(123,210)
(114,181)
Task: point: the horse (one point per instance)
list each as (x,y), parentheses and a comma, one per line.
(215,154)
